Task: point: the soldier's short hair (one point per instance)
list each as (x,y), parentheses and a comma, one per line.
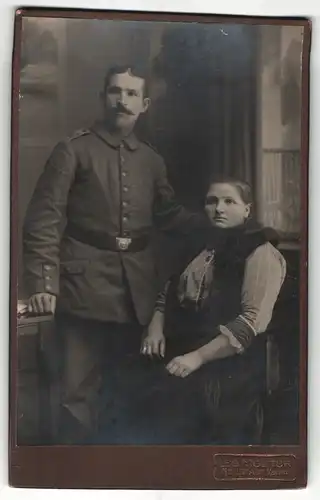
(133,69)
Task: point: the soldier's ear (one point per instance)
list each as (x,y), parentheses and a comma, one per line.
(146,103)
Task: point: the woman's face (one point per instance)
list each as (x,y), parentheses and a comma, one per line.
(225,207)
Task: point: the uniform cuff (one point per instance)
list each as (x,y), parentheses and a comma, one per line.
(46,282)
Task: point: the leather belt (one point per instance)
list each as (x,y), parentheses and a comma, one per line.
(104,241)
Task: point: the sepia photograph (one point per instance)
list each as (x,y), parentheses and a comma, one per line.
(159,242)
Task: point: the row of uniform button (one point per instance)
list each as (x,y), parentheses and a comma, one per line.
(125,203)
(125,189)
(47,268)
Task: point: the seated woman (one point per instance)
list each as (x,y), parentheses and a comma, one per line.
(203,366)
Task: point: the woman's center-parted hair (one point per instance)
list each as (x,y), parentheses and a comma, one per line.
(133,70)
(243,187)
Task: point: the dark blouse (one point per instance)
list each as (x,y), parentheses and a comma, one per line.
(264,273)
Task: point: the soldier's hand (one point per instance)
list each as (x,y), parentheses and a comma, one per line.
(42,303)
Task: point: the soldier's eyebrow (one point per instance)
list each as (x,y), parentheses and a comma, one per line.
(127,89)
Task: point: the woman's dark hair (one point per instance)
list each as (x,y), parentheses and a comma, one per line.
(134,70)
(243,187)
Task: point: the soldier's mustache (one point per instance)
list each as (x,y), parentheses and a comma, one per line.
(122,109)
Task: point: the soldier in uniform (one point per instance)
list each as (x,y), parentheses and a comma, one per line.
(88,253)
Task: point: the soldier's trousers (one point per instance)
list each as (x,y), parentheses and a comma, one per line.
(88,351)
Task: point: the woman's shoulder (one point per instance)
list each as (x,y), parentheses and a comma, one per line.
(267,252)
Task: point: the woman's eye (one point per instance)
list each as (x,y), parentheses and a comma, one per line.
(229,201)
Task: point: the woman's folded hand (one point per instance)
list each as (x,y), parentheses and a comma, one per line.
(182,366)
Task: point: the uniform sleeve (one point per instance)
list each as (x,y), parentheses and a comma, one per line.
(169,214)
(264,274)
(44,220)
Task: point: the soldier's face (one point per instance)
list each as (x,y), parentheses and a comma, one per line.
(124,100)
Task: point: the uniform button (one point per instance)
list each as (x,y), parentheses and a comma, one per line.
(47,267)
(47,278)
(125,218)
(48,288)
(124,174)
(124,204)
(125,189)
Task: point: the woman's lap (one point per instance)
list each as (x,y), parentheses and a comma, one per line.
(150,406)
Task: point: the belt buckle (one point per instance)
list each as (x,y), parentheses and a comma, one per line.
(123,243)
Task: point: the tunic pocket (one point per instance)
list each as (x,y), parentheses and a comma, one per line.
(73,267)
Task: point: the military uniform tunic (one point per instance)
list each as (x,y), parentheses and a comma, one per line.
(96,187)
(114,187)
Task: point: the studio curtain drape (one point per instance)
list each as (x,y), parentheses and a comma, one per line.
(205,122)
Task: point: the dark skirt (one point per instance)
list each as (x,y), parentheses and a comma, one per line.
(214,405)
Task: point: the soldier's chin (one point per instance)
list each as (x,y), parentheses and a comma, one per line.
(123,121)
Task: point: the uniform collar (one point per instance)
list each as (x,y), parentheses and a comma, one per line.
(130,141)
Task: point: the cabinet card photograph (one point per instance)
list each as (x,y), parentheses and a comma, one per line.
(159,250)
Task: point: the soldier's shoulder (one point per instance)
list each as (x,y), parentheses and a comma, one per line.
(149,146)
(77,134)
(152,152)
